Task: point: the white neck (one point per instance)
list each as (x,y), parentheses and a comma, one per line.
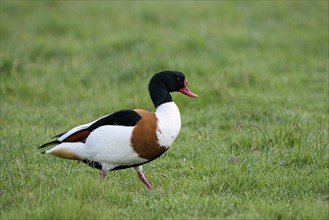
(169,123)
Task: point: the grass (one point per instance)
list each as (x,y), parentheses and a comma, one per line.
(254,145)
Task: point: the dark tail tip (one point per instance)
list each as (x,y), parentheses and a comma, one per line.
(49,144)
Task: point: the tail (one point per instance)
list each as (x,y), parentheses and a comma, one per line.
(67,150)
(50,144)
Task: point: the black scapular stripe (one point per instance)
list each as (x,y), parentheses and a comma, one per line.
(123,118)
(50,143)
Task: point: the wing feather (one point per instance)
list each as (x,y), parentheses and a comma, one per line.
(50,143)
(73,131)
(81,132)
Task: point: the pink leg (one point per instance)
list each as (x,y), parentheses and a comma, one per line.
(142,177)
(144,180)
(102,175)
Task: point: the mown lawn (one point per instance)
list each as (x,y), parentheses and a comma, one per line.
(254,145)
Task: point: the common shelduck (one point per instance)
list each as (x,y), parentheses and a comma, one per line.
(127,138)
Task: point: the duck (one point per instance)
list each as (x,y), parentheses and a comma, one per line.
(127,138)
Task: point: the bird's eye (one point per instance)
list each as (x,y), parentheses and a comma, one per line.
(179,79)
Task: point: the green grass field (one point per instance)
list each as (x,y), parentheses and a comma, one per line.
(254,145)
